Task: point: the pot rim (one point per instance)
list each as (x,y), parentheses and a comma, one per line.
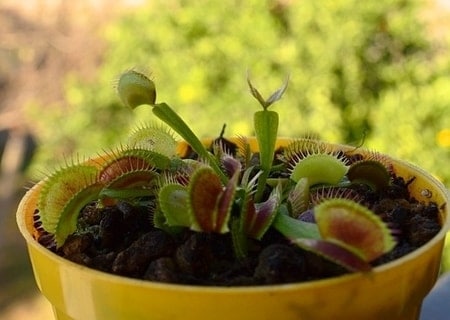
(25,226)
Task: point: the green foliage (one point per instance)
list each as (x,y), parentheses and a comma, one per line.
(210,194)
(415,115)
(344,57)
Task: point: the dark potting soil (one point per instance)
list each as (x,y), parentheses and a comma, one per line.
(121,240)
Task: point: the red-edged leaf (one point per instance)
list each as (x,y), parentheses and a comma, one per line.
(225,204)
(334,252)
(354,226)
(231,165)
(123,164)
(259,217)
(298,198)
(205,189)
(210,203)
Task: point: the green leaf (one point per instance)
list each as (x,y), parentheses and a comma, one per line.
(68,219)
(319,169)
(266,128)
(174,121)
(293,228)
(239,239)
(62,187)
(173,201)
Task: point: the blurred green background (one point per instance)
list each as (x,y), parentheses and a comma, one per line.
(361,72)
(367,72)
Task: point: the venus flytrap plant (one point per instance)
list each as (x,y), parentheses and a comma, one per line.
(223,191)
(347,233)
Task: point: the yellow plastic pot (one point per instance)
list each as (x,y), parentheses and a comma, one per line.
(392,291)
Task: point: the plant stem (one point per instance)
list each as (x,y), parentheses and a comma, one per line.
(293,228)
(266,128)
(171,118)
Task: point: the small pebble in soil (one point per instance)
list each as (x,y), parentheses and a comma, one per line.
(194,256)
(279,263)
(134,260)
(162,270)
(111,229)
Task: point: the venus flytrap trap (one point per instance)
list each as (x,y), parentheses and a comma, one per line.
(308,195)
(371,173)
(154,137)
(63,196)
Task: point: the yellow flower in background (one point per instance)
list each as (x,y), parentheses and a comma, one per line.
(240,128)
(189,93)
(443,138)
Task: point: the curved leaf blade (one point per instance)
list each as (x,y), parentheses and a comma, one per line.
(335,253)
